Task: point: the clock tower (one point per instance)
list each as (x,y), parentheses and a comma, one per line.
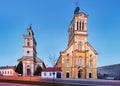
(30,60)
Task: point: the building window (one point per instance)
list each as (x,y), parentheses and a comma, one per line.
(79,62)
(90,55)
(80,26)
(0,72)
(80,46)
(28,43)
(67,63)
(29,33)
(90,63)
(44,74)
(83,26)
(77,25)
(68,54)
(10,72)
(3,72)
(50,74)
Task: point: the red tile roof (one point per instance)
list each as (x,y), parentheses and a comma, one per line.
(7,67)
(51,69)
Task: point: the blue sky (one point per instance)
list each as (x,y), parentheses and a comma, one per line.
(50,20)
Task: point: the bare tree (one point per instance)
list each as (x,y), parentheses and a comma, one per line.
(53,60)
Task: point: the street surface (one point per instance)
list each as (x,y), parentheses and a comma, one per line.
(14,84)
(86,82)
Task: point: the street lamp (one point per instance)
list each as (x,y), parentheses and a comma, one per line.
(53,75)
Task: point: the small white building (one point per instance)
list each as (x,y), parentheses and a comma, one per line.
(51,72)
(7,70)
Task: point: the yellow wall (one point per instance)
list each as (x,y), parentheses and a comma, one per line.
(86,52)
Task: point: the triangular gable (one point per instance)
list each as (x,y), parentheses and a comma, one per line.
(91,48)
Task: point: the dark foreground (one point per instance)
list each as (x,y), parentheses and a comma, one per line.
(14,84)
(37,81)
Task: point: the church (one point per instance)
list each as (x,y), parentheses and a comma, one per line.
(80,58)
(30,60)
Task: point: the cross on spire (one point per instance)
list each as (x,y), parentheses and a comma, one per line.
(76,11)
(76,3)
(30,26)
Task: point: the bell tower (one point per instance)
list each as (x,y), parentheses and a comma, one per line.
(30,60)
(78,27)
(29,44)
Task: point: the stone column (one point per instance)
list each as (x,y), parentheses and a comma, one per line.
(32,69)
(24,69)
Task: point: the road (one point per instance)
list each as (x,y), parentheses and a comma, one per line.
(87,82)
(14,84)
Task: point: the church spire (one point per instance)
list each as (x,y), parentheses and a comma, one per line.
(30,31)
(78,26)
(76,11)
(30,26)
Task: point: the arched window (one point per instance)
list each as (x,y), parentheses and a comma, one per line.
(83,26)
(28,43)
(80,26)
(90,63)
(29,33)
(90,55)
(80,46)
(80,62)
(77,25)
(67,63)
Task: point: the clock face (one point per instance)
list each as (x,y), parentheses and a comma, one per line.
(28,51)
(81,17)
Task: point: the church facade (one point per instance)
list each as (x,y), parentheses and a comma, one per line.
(30,60)
(80,58)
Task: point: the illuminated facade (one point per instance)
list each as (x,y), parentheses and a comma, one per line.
(30,60)
(79,59)
(7,71)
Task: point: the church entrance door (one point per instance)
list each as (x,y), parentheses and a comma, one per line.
(67,75)
(28,72)
(79,74)
(90,75)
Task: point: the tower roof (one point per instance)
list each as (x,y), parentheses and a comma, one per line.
(77,10)
(30,31)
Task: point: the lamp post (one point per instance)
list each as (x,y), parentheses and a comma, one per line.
(53,75)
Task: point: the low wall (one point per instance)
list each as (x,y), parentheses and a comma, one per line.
(20,78)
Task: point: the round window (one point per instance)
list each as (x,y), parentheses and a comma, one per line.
(28,51)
